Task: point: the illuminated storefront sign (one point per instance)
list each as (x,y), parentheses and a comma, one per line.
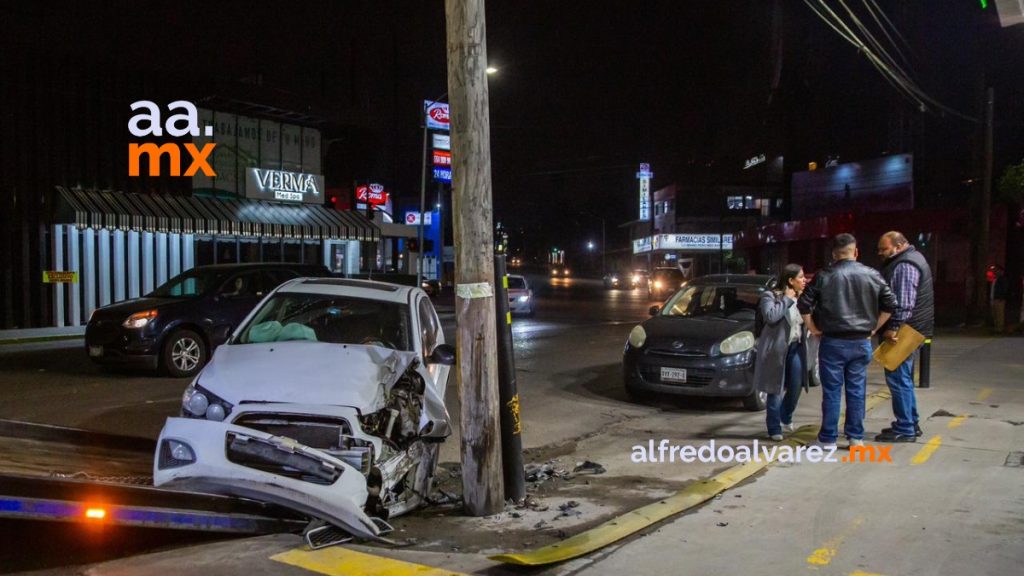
(645,175)
(284,186)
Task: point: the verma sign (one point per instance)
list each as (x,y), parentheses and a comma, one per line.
(284,186)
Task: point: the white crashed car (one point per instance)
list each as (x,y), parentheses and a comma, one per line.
(520,297)
(328,399)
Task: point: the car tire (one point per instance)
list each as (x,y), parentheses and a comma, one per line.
(184,354)
(756,401)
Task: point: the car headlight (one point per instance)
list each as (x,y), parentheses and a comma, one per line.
(657,284)
(739,342)
(197,402)
(139,319)
(637,336)
(636,278)
(524,298)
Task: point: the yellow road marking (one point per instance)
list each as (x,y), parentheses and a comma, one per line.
(925,453)
(342,561)
(824,555)
(635,520)
(983,394)
(955,422)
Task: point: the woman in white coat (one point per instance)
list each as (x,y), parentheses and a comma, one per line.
(780,368)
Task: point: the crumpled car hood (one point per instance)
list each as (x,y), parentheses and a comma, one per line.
(334,374)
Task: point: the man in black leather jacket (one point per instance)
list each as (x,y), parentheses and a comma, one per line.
(845,305)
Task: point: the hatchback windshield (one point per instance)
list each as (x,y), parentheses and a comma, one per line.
(516,283)
(725,301)
(192,283)
(326,318)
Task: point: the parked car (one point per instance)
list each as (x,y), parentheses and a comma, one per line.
(701,343)
(664,282)
(177,326)
(328,399)
(520,297)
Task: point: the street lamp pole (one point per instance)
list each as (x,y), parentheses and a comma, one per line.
(423,196)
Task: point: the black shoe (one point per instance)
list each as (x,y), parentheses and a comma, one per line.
(890,436)
(917,431)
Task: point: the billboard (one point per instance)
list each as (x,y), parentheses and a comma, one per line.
(877,185)
(436,115)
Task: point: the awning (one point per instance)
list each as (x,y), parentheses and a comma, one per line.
(192,215)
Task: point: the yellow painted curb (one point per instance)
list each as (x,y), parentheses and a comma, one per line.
(635,520)
(337,561)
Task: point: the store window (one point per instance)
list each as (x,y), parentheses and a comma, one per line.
(311,253)
(271,250)
(226,250)
(249,250)
(292,251)
(204,251)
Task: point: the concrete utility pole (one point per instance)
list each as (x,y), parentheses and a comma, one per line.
(476,333)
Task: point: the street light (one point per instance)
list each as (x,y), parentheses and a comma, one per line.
(590,245)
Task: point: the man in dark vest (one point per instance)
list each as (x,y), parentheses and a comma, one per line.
(908,274)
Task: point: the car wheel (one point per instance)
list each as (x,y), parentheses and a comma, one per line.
(756,401)
(184,354)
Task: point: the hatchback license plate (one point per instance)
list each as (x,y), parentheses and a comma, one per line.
(673,375)
(95,351)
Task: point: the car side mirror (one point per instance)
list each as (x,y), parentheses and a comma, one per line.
(442,354)
(654,310)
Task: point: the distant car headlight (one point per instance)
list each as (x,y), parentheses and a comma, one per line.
(139,319)
(658,284)
(523,299)
(566,271)
(637,336)
(739,342)
(197,402)
(636,279)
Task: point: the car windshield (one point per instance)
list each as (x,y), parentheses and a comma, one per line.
(328,318)
(515,283)
(192,283)
(723,301)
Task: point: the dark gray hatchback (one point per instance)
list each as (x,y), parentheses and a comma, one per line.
(177,326)
(701,343)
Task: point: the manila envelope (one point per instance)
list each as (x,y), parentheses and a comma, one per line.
(892,354)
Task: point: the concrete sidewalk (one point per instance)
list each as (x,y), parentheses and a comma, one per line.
(28,335)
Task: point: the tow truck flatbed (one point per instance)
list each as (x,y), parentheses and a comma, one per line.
(54,473)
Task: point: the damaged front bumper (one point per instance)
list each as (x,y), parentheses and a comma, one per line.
(224,458)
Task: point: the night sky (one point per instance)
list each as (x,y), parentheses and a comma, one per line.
(585,92)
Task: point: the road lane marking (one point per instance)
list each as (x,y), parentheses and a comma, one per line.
(338,561)
(983,394)
(925,453)
(955,422)
(824,555)
(629,523)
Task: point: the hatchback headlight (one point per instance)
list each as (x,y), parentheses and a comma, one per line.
(198,402)
(140,319)
(637,336)
(524,298)
(739,342)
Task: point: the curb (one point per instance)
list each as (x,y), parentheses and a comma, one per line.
(34,339)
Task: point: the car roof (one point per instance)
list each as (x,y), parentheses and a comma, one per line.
(257,265)
(763,280)
(366,289)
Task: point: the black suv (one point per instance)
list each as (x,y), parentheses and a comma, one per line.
(177,326)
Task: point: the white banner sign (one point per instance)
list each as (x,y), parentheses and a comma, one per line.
(645,175)
(413,218)
(642,245)
(442,141)
(692,242)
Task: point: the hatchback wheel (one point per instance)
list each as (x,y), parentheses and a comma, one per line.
(184,354)
(756,401)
